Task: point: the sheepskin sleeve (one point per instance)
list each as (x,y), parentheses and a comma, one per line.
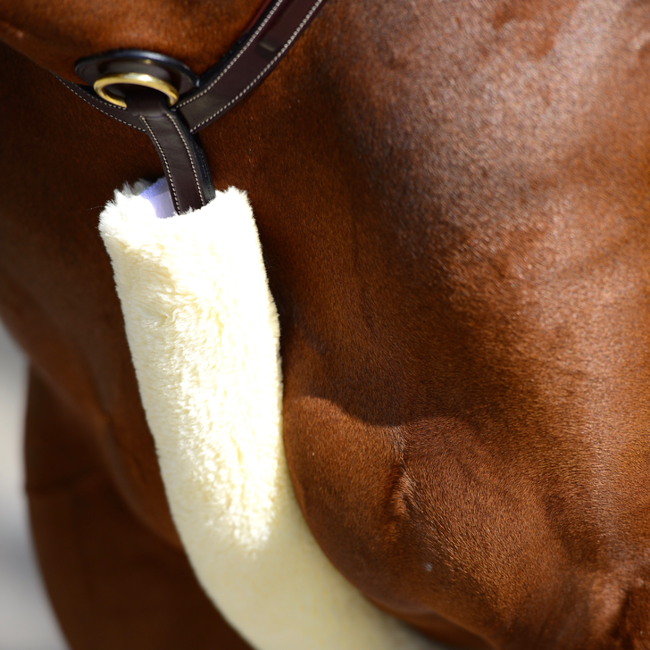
(204,336)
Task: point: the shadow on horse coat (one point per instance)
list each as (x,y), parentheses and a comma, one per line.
(453,204)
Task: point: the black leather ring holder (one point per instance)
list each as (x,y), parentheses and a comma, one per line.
(182,158)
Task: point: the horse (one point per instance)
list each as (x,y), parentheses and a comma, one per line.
(452,201)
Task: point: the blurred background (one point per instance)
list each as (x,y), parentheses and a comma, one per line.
(26,621)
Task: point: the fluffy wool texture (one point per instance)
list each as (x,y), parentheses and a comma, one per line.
(204,336)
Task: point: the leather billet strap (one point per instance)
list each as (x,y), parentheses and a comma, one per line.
(186,169)
(171,129)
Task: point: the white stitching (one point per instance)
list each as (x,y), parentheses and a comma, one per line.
(189,155)
(211,85)
(162,155)
(215,81)
(261,74)
(78,94)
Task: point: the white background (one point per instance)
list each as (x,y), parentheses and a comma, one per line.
(26,622)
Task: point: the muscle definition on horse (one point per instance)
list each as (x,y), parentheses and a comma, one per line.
(453,201)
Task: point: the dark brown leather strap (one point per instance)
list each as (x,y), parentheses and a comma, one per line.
(88,95)
(190,184)
(247,64)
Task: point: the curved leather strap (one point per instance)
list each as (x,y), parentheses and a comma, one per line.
(248,65)
(245,66)
(116,112)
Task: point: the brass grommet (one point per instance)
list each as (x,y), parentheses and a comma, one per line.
(135,79)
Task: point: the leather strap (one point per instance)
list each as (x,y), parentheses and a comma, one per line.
(245,66)
(187,173)
(249,63)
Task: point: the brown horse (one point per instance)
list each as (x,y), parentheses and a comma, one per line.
(454,201)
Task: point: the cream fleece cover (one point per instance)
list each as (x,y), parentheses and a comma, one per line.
(204,336)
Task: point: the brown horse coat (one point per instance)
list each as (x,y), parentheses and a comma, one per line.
(453,200)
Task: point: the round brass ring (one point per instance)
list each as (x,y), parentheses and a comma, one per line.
(135,79)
